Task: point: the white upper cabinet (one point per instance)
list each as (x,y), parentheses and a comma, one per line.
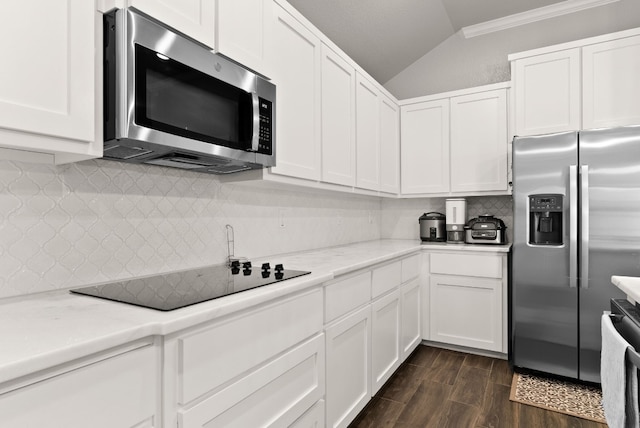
(338,119)
(547,93)
(585,84)
(479,142)
(367,134)
(611,83)
(425,147)
(51,52)
(294,55)
(195,18)
(242,26)
(389,146)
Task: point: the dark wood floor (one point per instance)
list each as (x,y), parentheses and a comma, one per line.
(441,388)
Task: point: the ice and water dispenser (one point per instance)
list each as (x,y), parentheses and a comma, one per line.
(545,219)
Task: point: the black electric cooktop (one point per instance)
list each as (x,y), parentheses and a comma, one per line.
(175,290)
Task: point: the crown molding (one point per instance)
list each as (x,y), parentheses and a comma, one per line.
(534,15)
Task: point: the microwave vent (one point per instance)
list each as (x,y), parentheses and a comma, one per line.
(185,161)
(124,152)
(228,169)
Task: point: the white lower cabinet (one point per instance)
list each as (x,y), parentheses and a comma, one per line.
(348,367)
(313,418)
(410,302)
(467,300)
(385,339)
(274,395)
(114,391)
(373,324)
(259,368)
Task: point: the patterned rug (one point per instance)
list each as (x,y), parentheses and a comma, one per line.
(559,396)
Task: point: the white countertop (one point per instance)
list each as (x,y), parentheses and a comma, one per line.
(629,284)
(42,330)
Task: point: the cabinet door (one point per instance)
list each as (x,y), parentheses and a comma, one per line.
(48,81)
(425,147)
(348,367)
(338,119)
(410,323)
(547,93)
(294,59)
(367,134)
(389,145)
(611,88)
(241,29)
(120,391)
(466,311)
(385,339)
(479,142)
(195,18)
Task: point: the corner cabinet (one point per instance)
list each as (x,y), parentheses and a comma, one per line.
(456,143)
(585,84)
(49,92)
(389,146)
(117,388)
(367,134)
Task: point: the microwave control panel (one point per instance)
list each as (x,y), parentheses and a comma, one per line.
(265,144)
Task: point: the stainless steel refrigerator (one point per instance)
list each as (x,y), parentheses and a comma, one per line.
(576,223)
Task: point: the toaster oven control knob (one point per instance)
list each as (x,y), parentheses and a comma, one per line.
(266,266)
(279,267)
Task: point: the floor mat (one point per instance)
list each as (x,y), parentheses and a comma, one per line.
(559,396)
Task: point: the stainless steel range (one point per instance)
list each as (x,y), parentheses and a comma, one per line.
(175,290)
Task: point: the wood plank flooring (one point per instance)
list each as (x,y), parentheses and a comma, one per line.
(441,388)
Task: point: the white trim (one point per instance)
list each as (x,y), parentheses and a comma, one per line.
(458,92)
(534,15)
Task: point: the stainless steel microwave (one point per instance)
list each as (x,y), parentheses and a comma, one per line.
(170,101)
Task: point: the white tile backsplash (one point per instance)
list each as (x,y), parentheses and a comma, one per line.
(399,217)
(96,221)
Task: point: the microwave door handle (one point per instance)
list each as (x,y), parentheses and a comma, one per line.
(255,139)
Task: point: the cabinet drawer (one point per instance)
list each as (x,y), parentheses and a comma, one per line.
(386,278)
(274,395)
(117,392)
(347,294)
(486,266)
(211,357)
(410,268)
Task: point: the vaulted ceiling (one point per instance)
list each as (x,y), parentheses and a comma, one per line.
(386,36)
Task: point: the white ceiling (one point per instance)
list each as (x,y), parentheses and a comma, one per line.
(386,36)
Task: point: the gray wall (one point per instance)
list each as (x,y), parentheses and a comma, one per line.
(459,63)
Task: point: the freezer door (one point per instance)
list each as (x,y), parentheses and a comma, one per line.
(543,305)
(610,229)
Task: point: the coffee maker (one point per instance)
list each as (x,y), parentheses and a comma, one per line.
(456,213)
(545,219)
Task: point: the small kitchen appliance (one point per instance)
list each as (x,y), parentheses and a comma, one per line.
(485,229)
(432,227)
(456,210)
(175,290)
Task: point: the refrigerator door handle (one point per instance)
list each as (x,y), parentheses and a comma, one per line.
(584,227)
(573,226)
